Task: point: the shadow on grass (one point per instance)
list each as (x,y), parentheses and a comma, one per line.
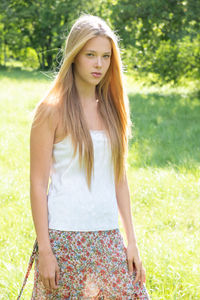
(166,131)
(19,74)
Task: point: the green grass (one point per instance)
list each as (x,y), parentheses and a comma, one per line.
(163,174)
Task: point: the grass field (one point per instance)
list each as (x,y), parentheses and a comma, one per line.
(163,175)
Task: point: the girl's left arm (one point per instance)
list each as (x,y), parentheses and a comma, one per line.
(132,252)
(124,206)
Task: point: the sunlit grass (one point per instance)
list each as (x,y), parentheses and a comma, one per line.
(163,175)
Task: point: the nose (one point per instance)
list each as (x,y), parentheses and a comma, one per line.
(98,61)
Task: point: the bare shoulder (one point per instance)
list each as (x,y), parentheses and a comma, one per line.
(54,121)
(41,143)
(45,122)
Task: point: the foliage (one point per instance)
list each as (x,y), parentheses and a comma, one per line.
(159,32)
(42,25)
(160,37)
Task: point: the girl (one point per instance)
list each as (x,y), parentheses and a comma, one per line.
(79,138)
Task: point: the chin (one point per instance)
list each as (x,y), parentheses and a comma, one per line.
(95,82)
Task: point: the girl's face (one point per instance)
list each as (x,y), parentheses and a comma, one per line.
(92,62)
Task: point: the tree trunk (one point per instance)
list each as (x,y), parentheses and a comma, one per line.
(49,56)
(49,60)
(4,52)
(43,58)
(39,59)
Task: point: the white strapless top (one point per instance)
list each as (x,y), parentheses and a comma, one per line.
(71,205)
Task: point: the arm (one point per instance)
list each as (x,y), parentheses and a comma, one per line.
(41,142)
(124,206)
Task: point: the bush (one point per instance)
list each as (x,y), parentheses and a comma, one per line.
(30,58)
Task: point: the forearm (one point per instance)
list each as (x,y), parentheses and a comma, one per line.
(124,206)
(40,216)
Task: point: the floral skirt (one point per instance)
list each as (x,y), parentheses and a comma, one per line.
(93,265)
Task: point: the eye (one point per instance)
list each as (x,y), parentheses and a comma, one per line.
(90,54)
(107,55)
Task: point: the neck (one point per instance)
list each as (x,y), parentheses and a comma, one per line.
(87,92)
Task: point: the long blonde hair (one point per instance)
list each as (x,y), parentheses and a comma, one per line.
(113,101)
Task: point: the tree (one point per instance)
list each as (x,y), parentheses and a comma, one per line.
(44,24)
(156,32)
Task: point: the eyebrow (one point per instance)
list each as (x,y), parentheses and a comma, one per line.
(109,52)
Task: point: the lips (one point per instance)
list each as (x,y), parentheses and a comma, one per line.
(96,73)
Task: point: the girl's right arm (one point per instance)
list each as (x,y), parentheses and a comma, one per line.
(41,144)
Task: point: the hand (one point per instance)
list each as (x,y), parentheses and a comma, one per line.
(49,270)
(135,263)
